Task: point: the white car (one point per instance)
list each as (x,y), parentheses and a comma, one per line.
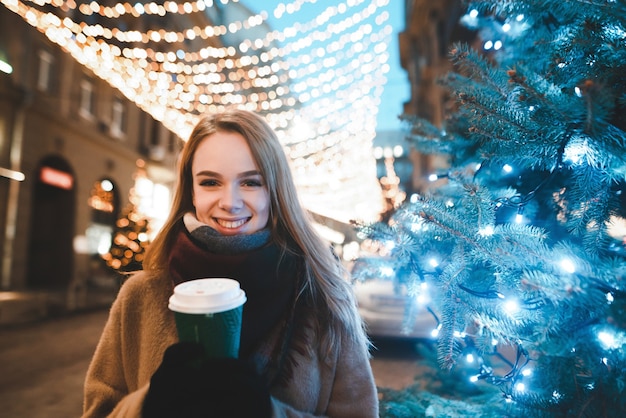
(384,310)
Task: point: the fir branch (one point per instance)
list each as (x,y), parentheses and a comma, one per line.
(448,347)
(550,104)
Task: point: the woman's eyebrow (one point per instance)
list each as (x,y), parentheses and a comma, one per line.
(210,173)
(250,173)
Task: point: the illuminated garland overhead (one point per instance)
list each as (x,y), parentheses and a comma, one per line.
(318,82)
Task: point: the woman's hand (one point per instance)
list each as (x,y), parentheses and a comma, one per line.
(187,384)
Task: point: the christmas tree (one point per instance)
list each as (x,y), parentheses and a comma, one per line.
(519,245)
(130,240)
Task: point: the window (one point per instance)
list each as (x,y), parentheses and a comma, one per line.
(103,201)
(44,77)
(153,201)
(174,145)
(156,150)
(86,109)
(118,118)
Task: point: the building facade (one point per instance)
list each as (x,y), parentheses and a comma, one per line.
(76,154)
(72,149)
(430,30)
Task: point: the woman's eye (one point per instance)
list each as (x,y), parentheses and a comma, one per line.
(253,183)
(208,182)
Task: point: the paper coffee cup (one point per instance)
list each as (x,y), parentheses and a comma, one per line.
(209,311)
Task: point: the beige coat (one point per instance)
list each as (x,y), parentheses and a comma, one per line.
(139,329)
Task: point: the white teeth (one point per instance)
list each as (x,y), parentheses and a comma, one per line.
(231,224)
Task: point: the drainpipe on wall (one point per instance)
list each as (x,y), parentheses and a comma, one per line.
(15,157)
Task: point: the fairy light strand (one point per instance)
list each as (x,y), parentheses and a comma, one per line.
(320,90)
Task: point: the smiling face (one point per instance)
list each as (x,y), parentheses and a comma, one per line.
(229,192)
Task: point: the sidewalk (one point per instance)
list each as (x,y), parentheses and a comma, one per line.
(19,307)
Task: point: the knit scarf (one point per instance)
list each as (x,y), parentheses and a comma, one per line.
(267,275)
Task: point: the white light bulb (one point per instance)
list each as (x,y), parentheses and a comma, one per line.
(386,271)
(107,186)
(607,339)
(575,151)
(435,332)
(568,265)
(487,231)
(511,306)
(5,67)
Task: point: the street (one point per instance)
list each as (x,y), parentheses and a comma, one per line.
(43,365)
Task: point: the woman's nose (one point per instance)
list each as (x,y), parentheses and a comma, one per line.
(230,199)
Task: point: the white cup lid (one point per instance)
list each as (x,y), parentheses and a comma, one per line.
(207,296)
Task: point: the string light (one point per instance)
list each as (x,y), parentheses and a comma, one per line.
(435,332)
(423,297)
(607,339)
(386,272)
(511,306)
(567,264)
(486,231)
(326,73)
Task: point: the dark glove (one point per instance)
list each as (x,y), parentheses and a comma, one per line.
(187,385)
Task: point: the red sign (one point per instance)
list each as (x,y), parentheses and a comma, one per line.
(56,178)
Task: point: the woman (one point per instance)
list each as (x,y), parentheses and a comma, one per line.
(236,214)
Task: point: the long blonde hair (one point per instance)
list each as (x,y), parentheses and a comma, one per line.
(289,223)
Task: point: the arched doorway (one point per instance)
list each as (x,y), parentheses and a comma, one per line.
(51,255)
